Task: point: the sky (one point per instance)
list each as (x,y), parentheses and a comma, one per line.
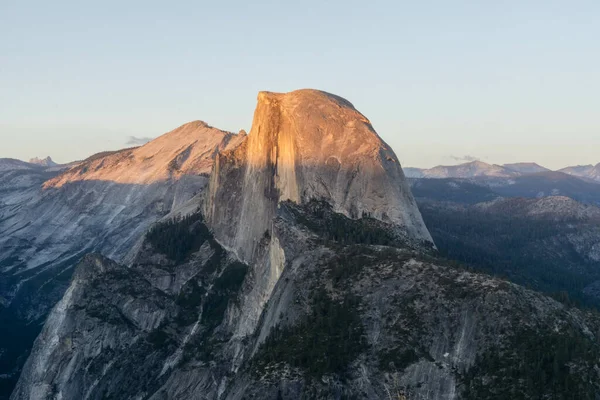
(442,82)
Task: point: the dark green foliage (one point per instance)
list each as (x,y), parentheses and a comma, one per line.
(189,301)
(452,189)
(232,278)
(318,216)
(190,296)
(180,237)
(326,341)
(532,252)
(201,347)
(17,332)
(224,289)
(546,182)
(344,268)
(16,337)
(160,339)
(397,359)
(349,264)
(537,365)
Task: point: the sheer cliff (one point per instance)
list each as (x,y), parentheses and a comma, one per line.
(348,318)
(307,145)
(304,270)
(304,145)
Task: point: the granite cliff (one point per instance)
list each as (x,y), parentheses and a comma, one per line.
(303,270)
(51,217)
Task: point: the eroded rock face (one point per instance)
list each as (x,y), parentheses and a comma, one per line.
(343,320)
(310,275)
(187,150)
(307,145)
(49,219)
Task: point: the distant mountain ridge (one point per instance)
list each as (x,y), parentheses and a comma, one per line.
(526,168)
(467,170)
(479,189)
(477,169)
(584,171)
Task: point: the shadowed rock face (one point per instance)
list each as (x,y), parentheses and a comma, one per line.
(338,295)
(343,321)
(50,219)
(304,145)
(307,145)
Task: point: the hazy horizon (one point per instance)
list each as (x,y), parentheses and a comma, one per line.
(440,82)
(455,160)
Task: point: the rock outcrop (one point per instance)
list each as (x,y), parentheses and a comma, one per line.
(43,162)
(303,146)
(49,219)
(303,271)
(307,145)
(345,320)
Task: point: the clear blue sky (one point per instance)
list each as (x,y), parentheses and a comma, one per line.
(440,80)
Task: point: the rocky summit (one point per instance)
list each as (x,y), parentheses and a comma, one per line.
(307,145)
(299,267)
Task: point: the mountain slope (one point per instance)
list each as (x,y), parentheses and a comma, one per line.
(187,150)
(550,244)
(549,184)
(11,164)
(468,170)
(591,172)
(344,320)
(307,145)
(452,190)
(303,280)
(102,204)
(485,188)
(526,168)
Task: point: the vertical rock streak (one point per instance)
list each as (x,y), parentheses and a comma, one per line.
(303,145)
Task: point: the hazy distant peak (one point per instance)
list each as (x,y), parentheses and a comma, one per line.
(467,170)
(590,172)
(526,167)
(577,168)
(44,162)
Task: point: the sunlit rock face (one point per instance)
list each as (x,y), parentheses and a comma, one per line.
(325,303)
(106,202)
(49,219)
(307,145)
(187,150)
(304,145)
